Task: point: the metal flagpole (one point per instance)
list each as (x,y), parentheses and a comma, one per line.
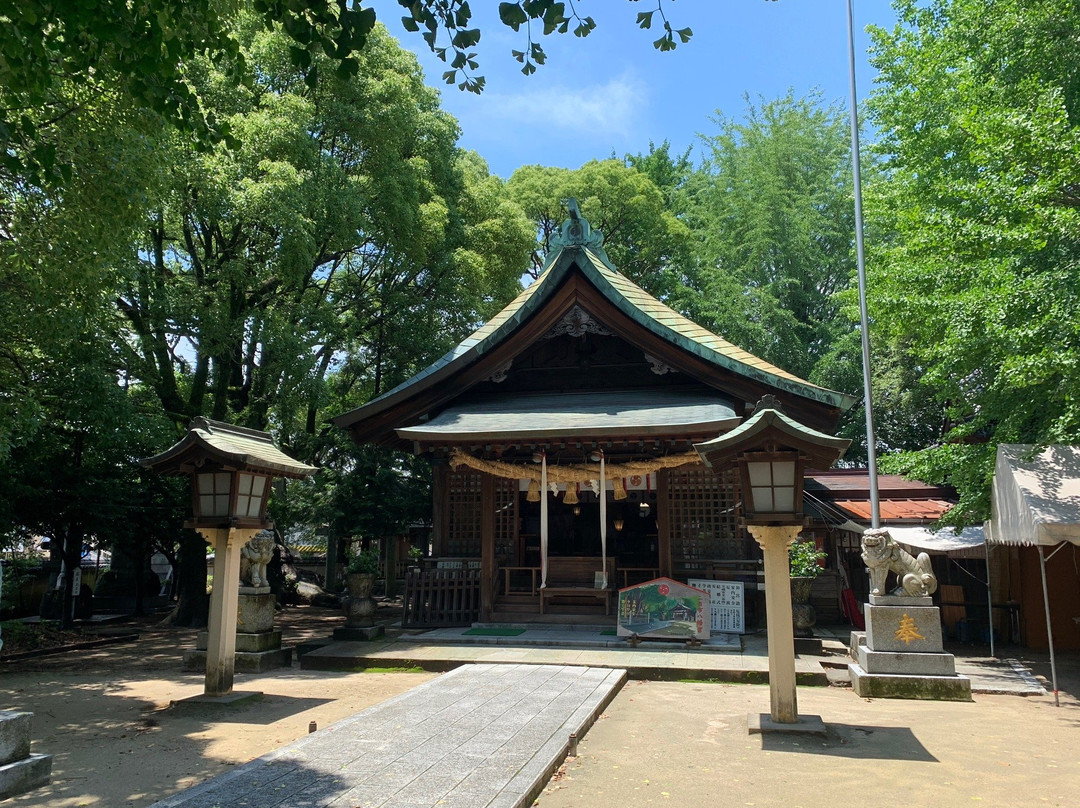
(864,320)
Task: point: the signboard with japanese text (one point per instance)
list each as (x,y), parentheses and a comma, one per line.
(727,604)
(664,609)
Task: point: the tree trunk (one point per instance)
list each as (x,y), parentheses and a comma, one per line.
(193,606)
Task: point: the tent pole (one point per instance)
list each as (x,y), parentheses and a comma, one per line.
(989,599)
(1049,632)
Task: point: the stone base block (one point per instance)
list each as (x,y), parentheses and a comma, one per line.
(910,664)
(856,639)
(255,613)
(233,699)
(811,646)
(900,686)
(14,735)
(762,724)
(23,775)
(246,643)
(243,662)
(900,600)
(909,629)
(359,632)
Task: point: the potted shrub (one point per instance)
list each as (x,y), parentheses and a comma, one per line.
(415,554)
(804,563)
(360,574)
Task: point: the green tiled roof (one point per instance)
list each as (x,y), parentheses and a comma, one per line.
(629,298)
(235,445)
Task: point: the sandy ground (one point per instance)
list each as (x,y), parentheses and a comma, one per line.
(104,714)
(682,744)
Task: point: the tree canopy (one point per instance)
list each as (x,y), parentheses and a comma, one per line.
(976,265)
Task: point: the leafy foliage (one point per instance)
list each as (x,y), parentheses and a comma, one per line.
(976,286)
(771,214)
(642,236)
(804,560)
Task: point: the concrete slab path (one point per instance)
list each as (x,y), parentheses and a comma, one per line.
(481,736)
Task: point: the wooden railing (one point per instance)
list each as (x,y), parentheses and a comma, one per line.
(749,571)
(514,577)
(637,575)
(441,597)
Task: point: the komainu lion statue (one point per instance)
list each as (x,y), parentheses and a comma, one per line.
(254,556)
(882,556)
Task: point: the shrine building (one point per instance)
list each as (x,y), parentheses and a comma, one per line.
(561,436)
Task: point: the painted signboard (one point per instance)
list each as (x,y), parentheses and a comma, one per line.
(663,608)
(727,606)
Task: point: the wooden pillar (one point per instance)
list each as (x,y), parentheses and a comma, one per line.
(487,547)
(440,511)
(390,565)
(221,642)
(663,524)
(774,541)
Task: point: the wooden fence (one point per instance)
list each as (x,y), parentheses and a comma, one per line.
(441,597)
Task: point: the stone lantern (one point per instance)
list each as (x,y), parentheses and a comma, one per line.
(771,452)
(231,469)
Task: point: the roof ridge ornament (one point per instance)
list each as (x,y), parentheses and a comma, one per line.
(576,231)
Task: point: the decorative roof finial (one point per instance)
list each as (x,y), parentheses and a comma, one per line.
(576,230)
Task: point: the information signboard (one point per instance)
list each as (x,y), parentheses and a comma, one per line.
(727,605)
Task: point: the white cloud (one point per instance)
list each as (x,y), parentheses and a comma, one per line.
(597,113)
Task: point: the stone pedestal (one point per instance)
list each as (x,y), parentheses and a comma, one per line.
(901,654)
(257,642)
(19,769)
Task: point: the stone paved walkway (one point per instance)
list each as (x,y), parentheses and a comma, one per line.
(480,736)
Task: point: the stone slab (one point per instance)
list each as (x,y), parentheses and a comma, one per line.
(923,664)
(911,629)
(899,686)
(14,735)
(243,662)
(856,639)
(900,600)
(483,735)
(245,642)
(255,613)
(234,699)
(344,633)
(762,724)
(810,646)
(24,775)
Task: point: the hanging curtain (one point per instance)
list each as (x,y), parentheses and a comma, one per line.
(603,521)
(543,521)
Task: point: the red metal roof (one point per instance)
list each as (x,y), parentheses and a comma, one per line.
(922,510)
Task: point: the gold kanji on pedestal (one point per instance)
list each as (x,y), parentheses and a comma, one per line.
(908,631)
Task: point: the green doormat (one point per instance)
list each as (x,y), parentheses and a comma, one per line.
(493,632)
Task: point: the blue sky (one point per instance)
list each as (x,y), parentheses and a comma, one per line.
(613,92)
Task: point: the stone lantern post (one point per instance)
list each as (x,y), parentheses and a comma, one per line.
(231,470)
(771,452)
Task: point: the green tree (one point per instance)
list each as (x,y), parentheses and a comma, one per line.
(54,51)
(976,288)
(642,236)
(773,227)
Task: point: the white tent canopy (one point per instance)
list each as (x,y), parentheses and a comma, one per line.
(947,540)
(1036,501)
(1036,495)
